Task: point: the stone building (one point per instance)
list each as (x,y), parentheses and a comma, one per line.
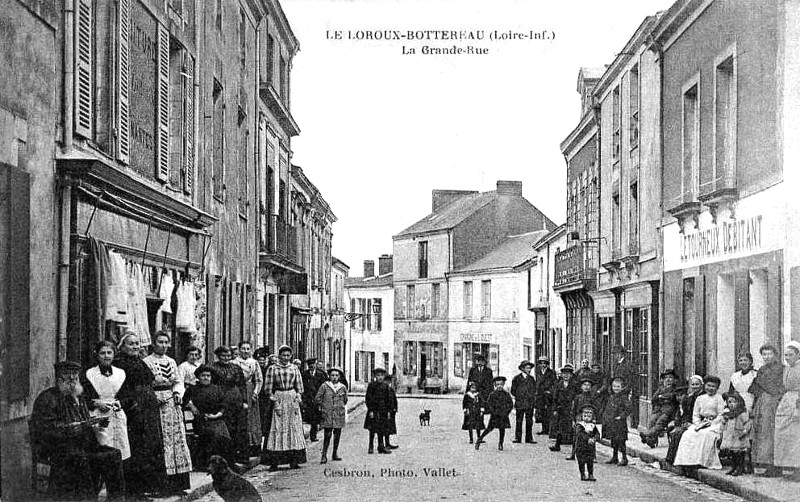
(336,349)
(550,313)
(462,227)
(371,332)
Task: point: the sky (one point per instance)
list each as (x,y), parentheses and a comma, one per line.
(381,129)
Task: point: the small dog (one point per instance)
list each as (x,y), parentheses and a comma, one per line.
(425,418)
(230,486)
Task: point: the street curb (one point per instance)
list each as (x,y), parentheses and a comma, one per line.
(706,476)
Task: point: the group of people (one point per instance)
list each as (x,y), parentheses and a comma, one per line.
(122,422)
(755,424)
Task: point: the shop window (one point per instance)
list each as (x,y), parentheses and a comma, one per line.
(464,356)
(430,359)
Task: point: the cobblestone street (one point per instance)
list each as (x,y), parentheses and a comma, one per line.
(456,471)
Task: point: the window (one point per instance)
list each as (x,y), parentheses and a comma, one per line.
(691,157)
(364,365)
(270,66)
(615,226)
(218,19)
(242,39)
(572,327)
(242,153)
(615,123)
(633,242)
(430,359)
(637,338)
(486,299)
(377,308)
(436,292)
(410,358)
(410,301)
(527,349)
(725,124)
(218,140)
(283,90)
(386,362)
(467,299)
(633,107)
(422,255)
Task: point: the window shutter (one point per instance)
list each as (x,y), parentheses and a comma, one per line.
(162,111)
(84,102)
(189,128)
(123,124)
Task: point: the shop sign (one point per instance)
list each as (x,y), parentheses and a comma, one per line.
(725,239)
(476,337)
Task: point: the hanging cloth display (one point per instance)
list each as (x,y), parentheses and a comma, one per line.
(165,291)
(116,289)
(137,304)
(184,317)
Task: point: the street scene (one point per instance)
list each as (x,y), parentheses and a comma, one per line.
(395,249)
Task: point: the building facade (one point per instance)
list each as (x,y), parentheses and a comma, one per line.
(311,220)
(336,352)
(730,214)
(576,265)
(629,279)
(463,227)
(550,312)
(371,332)
(487,311)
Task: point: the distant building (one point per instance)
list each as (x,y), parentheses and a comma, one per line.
(336,348)
(371,333)
(488,310)
(463,227)
(543,300)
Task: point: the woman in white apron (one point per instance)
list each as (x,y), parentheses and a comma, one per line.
(284,386)
(104,381)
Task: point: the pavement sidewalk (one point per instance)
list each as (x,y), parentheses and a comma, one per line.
(200,482)
(747,486)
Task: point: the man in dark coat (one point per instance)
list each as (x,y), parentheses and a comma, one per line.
(482,376)
(561,426)
(381,403)
(523,388)
(545,383)
(313,377)
(623,368)
(63,438)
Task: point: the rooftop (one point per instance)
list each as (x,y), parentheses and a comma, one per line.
(369,282)
(514,251)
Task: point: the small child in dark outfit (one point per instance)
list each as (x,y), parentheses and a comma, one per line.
(615,425)
(499,405)
(473,414)
(586,434)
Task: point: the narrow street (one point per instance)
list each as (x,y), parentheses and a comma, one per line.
(438,463)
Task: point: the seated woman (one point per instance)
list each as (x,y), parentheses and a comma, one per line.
(698,446)
(683,420)
(207,402)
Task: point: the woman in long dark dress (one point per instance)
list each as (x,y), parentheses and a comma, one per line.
(230,378)
(207,402)
(144,470)
(261,355)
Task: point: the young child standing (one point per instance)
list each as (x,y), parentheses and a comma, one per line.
(615,421)
(736,432)
(473,414)
(586,435)
(331,399)
(499,405)
(379,405)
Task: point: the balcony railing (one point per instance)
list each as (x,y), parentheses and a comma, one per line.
(280,238)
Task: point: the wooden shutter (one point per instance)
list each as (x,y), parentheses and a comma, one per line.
(84,102)
(162,110)
(123,120)
(189,128)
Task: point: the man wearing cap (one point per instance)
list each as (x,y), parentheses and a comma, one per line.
(561,431)
(313,378)
(665,407)
(63,438)
(482,376)
(523,388)
(545,383)
(623,368)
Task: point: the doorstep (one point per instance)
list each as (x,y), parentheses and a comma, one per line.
(747,486)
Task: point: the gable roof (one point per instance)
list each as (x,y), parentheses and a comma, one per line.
(369,282)
(452,214)
(515,250)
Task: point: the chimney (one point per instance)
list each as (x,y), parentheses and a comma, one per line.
(369,268)
(441,198)
(385,264)
(509,187)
